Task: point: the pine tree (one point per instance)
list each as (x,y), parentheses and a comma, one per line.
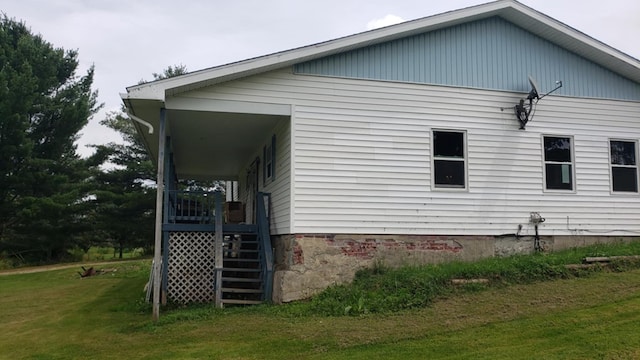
(43,106)
(124,193)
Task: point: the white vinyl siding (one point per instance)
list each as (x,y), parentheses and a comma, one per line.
(362,159)
(278,186)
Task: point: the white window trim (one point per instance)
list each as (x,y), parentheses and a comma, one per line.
(637,167)
(465,159)
(573,165)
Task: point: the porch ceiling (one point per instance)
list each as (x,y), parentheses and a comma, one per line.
(208,145)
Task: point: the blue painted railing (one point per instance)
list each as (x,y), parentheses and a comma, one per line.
(264,239)
(195,207)
(197,211)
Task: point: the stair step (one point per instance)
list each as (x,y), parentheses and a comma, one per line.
(237,279)
(241,251)
(250,260)
(241,269)
(241,302)
(241,291)
(241,264)
(242,260)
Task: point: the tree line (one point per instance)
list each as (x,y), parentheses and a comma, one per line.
(53,201)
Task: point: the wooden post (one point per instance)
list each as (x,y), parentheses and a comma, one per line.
(168,172)
(218,239)
(157,266)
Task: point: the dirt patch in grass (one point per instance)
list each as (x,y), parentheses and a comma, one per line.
(37,269)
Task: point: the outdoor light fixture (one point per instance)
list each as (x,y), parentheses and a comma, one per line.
(524,111)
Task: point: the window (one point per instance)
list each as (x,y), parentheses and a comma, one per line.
(269,156)
(449,165)
(624,167)
(558,163)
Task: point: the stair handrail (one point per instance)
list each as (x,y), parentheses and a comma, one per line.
(265,242)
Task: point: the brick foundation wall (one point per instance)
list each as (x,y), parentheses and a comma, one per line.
(308,263)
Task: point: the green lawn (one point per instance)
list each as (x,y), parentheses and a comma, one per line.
(56,315)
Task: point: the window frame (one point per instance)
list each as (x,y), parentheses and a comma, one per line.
(572,163)
(611,166)
(269,167)
(464,160)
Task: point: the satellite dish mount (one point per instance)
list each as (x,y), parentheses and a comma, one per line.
(524,111)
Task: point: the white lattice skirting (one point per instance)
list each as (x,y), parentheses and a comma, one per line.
(191,266)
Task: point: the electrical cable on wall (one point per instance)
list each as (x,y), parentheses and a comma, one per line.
(596,231)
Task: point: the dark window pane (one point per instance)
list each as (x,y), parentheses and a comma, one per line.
(623,153)
(624,179)
(449,144)
(559,176)
(449,173)
(267,160)
(557,149)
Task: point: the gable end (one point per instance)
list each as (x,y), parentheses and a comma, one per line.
(488,54)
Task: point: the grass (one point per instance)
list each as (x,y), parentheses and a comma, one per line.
(93,254)
(381,289)
(99,253)
(56,315)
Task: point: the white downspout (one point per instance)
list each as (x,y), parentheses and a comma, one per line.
(145,123)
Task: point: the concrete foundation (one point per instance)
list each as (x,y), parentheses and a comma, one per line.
(308,263)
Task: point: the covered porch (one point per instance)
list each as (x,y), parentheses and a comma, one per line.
(211,246)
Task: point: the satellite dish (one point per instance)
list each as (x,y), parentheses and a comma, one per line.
(524,111)
(533,94)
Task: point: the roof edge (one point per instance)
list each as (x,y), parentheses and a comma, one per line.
(574,40)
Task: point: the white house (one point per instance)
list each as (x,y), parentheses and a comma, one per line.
(400,144)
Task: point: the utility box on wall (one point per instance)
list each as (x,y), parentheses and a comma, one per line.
(233,212)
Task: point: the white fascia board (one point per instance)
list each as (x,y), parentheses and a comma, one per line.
(574,40)
(148,92)
(158,89)
(229,106)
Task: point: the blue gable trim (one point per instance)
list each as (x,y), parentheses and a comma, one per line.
(489,54)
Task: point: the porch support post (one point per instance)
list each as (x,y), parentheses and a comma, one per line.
(168,171)
(165,267)
(157,273)
(218,239)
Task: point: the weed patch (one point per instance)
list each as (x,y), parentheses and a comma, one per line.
(382,290)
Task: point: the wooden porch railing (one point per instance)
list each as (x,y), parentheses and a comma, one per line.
(264,238)
(201,211)
(191,207)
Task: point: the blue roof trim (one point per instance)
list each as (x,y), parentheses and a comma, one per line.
(490,54)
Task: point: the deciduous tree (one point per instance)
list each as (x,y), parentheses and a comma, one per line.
(125,183)
(124,192)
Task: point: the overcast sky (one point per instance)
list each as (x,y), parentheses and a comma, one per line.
(128,40)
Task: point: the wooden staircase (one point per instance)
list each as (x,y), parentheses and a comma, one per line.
(247,261)
(239,255)
(242,275)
